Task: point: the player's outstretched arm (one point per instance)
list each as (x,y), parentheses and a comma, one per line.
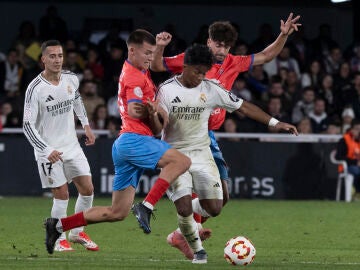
(162,40)
(254,112)
(271,51)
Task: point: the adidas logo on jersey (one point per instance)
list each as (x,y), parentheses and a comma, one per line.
(49,98)
(216,185)
(176,100)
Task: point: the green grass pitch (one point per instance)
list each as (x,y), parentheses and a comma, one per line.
(286,234)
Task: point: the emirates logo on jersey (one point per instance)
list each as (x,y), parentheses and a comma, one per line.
(69,90)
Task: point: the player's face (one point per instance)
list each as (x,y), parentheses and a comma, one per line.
(141,56)
(193,75)
(218,49)
(53,58)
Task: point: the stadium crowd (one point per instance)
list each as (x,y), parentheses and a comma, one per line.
(313,84)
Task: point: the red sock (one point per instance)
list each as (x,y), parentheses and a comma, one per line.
(203,219)
(74,221)
(157,191)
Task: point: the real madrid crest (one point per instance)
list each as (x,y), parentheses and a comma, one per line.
(69,90)
(203,97)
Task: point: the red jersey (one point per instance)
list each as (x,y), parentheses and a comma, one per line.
(134,86)
(225,72)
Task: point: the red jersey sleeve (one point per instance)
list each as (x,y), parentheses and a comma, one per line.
(174,64)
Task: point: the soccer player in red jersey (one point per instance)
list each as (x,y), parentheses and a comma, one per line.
(134,150)
(222,35)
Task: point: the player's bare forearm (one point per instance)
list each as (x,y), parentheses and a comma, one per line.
(157,64)
(254,112)
(155,123)
(162,40)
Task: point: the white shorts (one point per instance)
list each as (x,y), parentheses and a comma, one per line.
(202,178)
(61,172)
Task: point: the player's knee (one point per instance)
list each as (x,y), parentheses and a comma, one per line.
(214,211)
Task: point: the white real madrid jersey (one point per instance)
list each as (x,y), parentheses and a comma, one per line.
(189,110)
(49,109)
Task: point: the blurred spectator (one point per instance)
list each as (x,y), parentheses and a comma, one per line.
(93,62)
(89,94)
(304,126)
(113,126)
(112,70)
(282,60)
(240,48)
(230,126)
(292,86)
(274,109)
(318,117)
(11,72)
(355,59)
(355,103)
(343,85)
(99,117)
(52,26)
(326,92)
(277,90)
(111,39)
(333,128)
(323,43)
(332,61)
(5,110)
(265,37)
(312,75)
(239,89)
(258,81)
(300,47)
(71,62)
(347,116)
(304,106)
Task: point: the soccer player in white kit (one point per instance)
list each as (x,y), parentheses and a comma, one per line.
(189,100)
(50,102)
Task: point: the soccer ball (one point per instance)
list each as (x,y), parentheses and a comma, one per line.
(239,251)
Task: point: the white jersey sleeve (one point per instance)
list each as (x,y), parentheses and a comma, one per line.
(31,112)
(79,109)
(224,98)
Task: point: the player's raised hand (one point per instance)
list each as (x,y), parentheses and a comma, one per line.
(163,39)
(90,137)
(290,25)
(281,126)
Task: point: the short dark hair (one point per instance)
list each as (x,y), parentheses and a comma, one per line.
(48,43)
(223,31)
(198,54)
(139,36)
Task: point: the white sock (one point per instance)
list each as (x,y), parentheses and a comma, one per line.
(59,210)
(198,209)
(148,205)
(189,230)
(82,203)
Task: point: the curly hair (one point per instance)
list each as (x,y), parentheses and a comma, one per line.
(223,31)
(198,54)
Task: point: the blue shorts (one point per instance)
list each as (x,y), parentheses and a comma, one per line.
(219,159)
(132,153)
